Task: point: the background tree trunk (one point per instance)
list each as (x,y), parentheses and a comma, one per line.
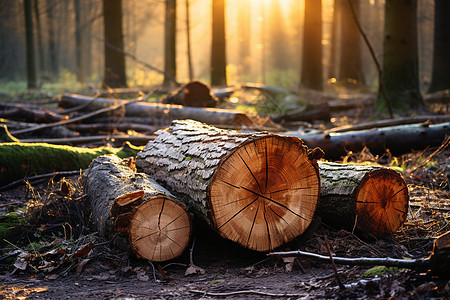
(31,65)
(441,57)
(350,69)
(52,39)
(400,58)
(114,71)
(170,31)
(259,190)
(218,53)
(311,73)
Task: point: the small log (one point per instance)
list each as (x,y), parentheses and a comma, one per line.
(158,227)
(372,198)
(259,190)
(19,160)
(20,112)
(398,139)
(194,94)
(164,112)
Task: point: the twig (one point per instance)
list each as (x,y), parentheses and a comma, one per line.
(191,252)
(245,292)
(80,118)
(374,57)
(425,161)
(136,139)
(336,274)
(38,177)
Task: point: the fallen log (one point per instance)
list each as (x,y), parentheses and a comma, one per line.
(111,127)
(194,94)
(259,190)
(20,112)
(398,139)
(19,160)
(438,263)
(165,112)
(157,226)
(370,198)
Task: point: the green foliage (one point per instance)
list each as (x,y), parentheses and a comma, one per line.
(379,271)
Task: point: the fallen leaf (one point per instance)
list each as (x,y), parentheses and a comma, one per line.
(193,269)
(81,265)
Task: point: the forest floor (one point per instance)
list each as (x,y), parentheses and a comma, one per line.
(56,265)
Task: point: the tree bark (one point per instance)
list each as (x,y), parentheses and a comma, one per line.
(259,190)
(31,65)
(164,113)
(158,226)
(194,94)
(398,139)
(19,160)
(373,199)
(170,31)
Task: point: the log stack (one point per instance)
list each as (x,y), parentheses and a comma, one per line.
(259,190)
(158,227)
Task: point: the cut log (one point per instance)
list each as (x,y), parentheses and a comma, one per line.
(19,160)
(164,112)
(158,227)
(194,94)
(259,190)
(372,198)
(398,139)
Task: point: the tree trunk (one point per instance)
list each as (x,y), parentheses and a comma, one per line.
(158,227)
(52,39)
(170,31)
(31,65)
(188,41)
(350,69)
(162,113)
(114,75)
(218,53)
(20,160)
(400,55)
(441,59)
(194,94)
(259,190)
(372,199)
(39,37)
(311,73)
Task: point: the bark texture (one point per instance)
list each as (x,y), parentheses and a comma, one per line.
(158,226)
(259,190)
(373,198)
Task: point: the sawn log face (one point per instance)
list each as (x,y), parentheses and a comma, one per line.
(259,190)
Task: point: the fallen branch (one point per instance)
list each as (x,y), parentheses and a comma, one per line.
(38,178)
(134,139)
(245,292)
(438,262)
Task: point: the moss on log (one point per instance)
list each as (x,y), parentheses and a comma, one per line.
(20,160)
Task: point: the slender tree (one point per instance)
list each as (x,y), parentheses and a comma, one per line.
(350,68)
(332,69)
(78,42)
(400,55)
(440,78)
(218,53)
(31,65)
(114,70)
(170,65)
(188,41)
(39,36)
(52,38)
(311,73)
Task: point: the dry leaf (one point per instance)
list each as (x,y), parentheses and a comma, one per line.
(193,269)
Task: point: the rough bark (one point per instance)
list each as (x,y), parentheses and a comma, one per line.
(19,160)
(158,227)
(259,190)
(370,198)
(164,112)
(398,139)
(194,93)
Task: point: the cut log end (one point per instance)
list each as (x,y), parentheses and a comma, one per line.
(265,193)
(381,202)
(160,229)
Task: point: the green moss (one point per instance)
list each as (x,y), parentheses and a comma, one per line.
(18,160)
(379,271)
(10,226)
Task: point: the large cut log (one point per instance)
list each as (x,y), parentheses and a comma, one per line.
(158,227)
(373,199)
(164,112)
(19,160)
(259,190)
(194,93)
(398,139)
